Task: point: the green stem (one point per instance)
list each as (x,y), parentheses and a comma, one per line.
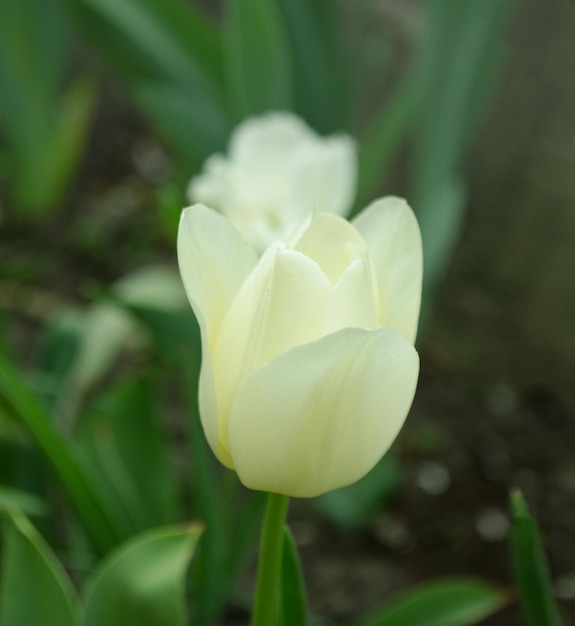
(271,549)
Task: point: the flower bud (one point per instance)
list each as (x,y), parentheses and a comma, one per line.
(277,172)
(308,365)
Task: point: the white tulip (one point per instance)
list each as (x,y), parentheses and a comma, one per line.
(308,367)
(277,172)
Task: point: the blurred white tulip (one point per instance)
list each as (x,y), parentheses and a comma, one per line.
(277,172)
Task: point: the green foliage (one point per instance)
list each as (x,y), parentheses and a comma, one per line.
(445,602)
(144,581)
(352,507)
(43,121)
(530,568)
(382,139)
(293,594)
(30,504)
(170,58)
(34,588)
(17,403)
(319,93)
(258,57)
(125,453)
(459,62)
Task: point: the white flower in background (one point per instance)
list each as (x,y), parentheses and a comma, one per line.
(308,364)
(276,173)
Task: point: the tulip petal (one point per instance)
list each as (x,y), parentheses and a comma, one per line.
(262,152)
(214,261)
(212,186)
(320,416)
(324,178)
(281,305)
(392,234)
(332,242)
(353,300)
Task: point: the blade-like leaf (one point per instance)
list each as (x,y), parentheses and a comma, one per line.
(17,402)
(383,138)
(447,602)
(31,504)
(143,582)
(294,601)
(319,84)
(352,507)
(258,57)
(189,122)
(530,568)
(169,56)
(125,451)
(172,36)
(459,60)
(452,59)
(34,55)
(440,221)
(34,589)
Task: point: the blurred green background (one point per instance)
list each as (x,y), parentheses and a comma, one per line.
(466,108)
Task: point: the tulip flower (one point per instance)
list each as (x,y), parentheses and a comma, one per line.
(308,365)
(276,173)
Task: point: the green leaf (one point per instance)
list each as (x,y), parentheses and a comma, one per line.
(69,139)
(171,35)
(452,58)
(444,602)
(35,589)
(458,62)
(352,507)
(126,453)
(530,568)
(441,219)
(17,402)
(258,57)
(169,56)
(43,125)
(143,582)
(11,499)
(189,122)
(319,88)
(294,601)
(383,138)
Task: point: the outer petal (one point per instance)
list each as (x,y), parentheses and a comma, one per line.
(320,416)
(214,261)
(392,234)
(280,306)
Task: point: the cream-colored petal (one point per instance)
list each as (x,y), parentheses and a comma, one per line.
(392,234)
(262,154)
(281,305)
(332,242)
(270,136)
(214,262)
(353,302)
(321,416)
(212,186)
(325,173)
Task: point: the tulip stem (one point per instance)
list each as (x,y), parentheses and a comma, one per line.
(271,550)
